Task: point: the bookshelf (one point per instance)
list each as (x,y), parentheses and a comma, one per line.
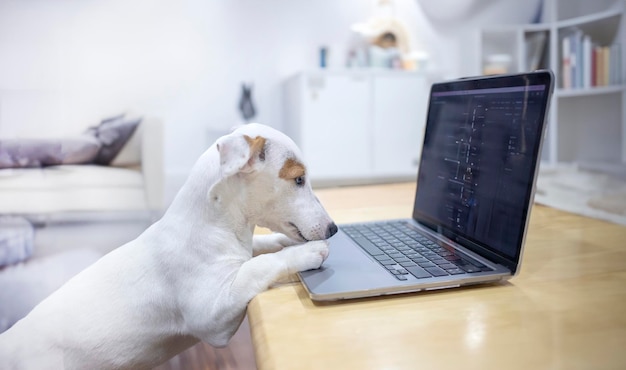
(584,43)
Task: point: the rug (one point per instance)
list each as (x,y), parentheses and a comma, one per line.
(597,192)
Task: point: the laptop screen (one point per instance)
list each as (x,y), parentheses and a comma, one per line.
(477,169)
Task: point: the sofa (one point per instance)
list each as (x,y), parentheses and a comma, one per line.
(66,202)
(73,186)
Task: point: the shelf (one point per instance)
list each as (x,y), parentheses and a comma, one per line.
(536,27)
(564,93)
(586,123)
(571,22)
(591,18)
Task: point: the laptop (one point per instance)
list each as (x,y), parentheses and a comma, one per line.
(475,188)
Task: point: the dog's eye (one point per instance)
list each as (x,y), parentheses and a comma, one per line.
(299,180)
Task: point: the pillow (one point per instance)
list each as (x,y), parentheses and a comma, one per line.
(24,153)
(112,133)
(79,150)
(130,155)
(29,153)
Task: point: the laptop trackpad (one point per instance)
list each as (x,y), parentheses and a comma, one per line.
(347,268)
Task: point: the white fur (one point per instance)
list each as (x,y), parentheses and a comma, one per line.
(190,275)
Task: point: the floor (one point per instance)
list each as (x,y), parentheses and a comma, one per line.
(597,192)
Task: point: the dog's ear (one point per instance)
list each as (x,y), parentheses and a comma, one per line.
(240,153)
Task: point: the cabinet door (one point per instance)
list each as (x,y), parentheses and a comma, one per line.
(399,121)
(335,125)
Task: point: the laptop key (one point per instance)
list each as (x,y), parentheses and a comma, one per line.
(455,271)
(447,266)
(426,264)
(470,268)
(438,261)
(401,259)
(481,266)
(369,247)
(452,258)
(467,266)
(418,272)
(436,271)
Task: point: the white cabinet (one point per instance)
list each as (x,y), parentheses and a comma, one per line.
(331,121)
(587,120)
(399,118)
(357,126)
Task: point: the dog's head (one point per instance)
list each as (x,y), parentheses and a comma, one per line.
(270,167)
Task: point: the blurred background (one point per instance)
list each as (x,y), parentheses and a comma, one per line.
(65,65)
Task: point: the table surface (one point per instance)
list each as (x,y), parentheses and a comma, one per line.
(565,310)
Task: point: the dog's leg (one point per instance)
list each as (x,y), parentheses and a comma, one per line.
(255,276)
(271,243)
(259,273)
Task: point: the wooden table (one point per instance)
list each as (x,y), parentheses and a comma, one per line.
(566,309)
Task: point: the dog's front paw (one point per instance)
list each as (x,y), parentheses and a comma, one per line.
(320,247)
(307,256)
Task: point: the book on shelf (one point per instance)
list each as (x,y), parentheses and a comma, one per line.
(586,64)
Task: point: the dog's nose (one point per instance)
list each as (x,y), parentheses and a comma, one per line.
(332,230)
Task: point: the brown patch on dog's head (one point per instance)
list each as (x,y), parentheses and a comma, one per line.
(291,169)
(257,146)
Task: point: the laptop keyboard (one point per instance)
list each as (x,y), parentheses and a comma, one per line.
(403,251)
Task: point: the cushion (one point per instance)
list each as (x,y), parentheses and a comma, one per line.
(113,134)
(66,177)
(80,150)
(25,153)
(130,155)
(71,188)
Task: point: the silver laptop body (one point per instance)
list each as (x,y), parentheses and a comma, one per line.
(475,188)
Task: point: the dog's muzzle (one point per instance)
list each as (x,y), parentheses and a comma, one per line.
(331,230)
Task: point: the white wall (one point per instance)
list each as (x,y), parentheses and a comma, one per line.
(65,64)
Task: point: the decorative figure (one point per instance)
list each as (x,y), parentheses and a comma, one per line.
(246,105)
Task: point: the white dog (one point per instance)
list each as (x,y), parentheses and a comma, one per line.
(191,274)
